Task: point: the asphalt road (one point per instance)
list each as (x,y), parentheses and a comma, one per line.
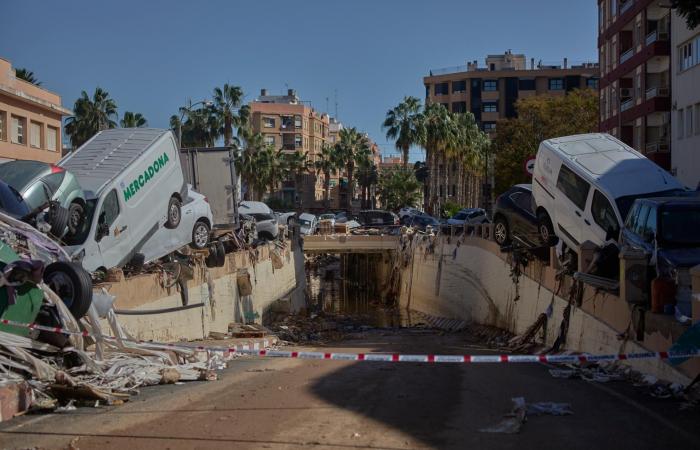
(278,404)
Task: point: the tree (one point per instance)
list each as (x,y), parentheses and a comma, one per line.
(688,9)
(404,123)
(227,102)
(200,128)
(353,147)
(247,161)
(398,187)
(539,118)
(326,163)
(367,176)
(27,75)
(297,164)
(90,116)
(133,120)
(440,134)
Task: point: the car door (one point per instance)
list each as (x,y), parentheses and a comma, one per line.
(36,195)
(522,215)
(115,244)
(634,234)
(570,206)
(599,218)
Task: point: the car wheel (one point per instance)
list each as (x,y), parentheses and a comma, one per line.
(213,258)
(72,284)
(200,235)
(76,217)
(500,231)
(220,254)
(58,219)
(174,213)
(546,229)
(265,236)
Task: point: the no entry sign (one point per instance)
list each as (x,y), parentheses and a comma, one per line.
(530,165)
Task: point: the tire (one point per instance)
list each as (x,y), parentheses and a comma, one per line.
(266,236)
(213,258)
(174,213)
(220,254)
(501,231)
(76,217)
(58,219)
(545,229)
(137,262)
(200,235)
(72,283)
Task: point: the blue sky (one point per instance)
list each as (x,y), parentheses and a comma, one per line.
(151,56)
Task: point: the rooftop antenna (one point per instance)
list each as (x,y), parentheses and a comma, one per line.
(335,93)
(326,104)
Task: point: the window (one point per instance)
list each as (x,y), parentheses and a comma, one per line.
(490,85)
(269,140)
(489,126)
(297,140)
(604,214)
(556,84)
(37,195)
(573,186)
(592,82)
(110,209)
(650,228)
(613,8)
(17,130)
(459,86)
(601,15)
(427,90)
(297,121)
(442,88)
(490,107)
(689,54)
(689,121)
(459,107)
(522,200)
(640,221)
(268,122)
(526,84)
(51,138)
(680,129)
(35,134)
(697,118)
(3,121)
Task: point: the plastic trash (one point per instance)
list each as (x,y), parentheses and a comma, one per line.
(551,408)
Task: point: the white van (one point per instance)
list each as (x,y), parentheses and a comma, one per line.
(133,185)
(584,185)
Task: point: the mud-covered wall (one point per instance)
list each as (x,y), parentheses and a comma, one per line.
(472,280)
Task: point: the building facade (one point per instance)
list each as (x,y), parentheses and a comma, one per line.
(685,103)
(288,124)
(490,93)
(635,65)
(30,119)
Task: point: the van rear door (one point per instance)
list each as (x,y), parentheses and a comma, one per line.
(114,241)
(571,205)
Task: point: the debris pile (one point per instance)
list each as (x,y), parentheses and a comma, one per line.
(513,421)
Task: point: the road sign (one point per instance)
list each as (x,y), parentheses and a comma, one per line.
(530,165)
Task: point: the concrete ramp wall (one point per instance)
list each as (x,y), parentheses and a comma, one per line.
(472,280)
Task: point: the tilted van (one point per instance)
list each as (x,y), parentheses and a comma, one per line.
(133,185)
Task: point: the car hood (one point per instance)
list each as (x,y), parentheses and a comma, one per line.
(680,257)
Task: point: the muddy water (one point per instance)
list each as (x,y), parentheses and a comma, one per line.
(334,289)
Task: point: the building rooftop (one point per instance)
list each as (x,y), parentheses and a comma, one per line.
(511,61)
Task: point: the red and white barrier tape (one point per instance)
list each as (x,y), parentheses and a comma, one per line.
(255,350)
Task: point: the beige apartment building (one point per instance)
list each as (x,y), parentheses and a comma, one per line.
(288,124)
(490,93)
(30,119)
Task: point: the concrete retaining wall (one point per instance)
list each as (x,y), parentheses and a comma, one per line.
(473,282)
(217,288)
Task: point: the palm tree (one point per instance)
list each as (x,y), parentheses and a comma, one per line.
(27,75)
(247,160)
(352,148)
(405,124)
(297,164)
(133,120)
(367,176)
(473,143)
(201,127)
(440,134)
(90,116)
(226,105)
(327,163)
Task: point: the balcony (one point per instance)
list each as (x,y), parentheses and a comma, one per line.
(656,92)
(627,104)
(656,36)
(627,55)
(625,6)
(660,146)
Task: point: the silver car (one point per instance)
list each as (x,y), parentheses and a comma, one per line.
(38,182)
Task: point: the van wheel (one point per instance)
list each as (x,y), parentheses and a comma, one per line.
(500,231)
(200,235)
(174,213)
(76,216)
(72,283)
(58,219)
(546,229)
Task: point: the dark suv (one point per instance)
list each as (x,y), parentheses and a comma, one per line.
(669,228)
(377,217)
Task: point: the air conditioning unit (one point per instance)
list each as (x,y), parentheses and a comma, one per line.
(626,92)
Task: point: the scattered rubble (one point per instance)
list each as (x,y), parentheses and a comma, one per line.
(513,421)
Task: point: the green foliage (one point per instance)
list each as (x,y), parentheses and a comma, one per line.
(449,209)
(404,123)
(133,120)
(351,150)
(27,75)
(539,118)
(398,187)
(90,116)
(689,9)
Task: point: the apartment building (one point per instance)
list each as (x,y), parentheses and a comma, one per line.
(685,103)
(490,93)
(30,119)
(635,65)
(289,124)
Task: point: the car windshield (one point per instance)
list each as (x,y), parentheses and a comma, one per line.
(262,216)
(680,225)
(304,223)
(625,203)
(19,174)
(82,234)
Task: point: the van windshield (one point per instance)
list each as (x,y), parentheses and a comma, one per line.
(625,203)
(679,225)
(82,234)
